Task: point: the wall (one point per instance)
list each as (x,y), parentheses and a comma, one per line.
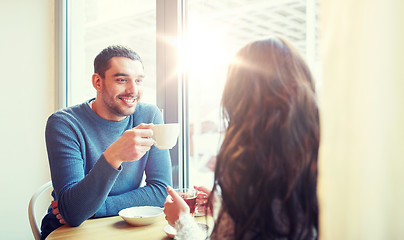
(27,99)
(362,155)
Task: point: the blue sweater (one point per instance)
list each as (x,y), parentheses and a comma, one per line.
(84,183)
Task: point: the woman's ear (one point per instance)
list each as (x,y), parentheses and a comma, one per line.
(96,79)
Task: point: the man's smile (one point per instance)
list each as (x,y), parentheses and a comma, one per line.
(129,100)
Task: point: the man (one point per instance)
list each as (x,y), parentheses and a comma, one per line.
(99,150)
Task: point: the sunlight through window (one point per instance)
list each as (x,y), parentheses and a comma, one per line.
(215,30)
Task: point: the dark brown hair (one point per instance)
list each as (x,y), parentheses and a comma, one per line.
(266,168)
(101,61)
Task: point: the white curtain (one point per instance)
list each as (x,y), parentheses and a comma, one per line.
(361,165)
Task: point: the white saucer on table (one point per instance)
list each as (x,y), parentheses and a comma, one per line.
(170,231)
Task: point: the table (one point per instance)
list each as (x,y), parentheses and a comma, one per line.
(116,228)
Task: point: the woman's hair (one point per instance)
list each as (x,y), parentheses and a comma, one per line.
(101,61)
(266,168)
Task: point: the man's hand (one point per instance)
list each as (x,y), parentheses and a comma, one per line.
(174,206)
(55,210)
(131,146)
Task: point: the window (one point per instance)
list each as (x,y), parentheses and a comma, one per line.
(96,24)
(185,46)
(85,27)
(215,30)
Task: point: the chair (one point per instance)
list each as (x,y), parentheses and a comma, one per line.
(31,210)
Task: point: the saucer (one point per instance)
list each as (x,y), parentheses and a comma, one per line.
(170,231)
(141,216)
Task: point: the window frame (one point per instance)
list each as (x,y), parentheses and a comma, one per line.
(61,54)
(171,85)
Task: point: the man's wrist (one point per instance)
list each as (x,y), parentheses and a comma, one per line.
(114,163)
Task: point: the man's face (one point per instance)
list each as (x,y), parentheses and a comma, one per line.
(121,89)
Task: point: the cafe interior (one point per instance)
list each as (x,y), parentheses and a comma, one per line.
(354,49)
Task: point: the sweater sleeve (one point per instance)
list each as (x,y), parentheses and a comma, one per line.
(158,176)
(79,196)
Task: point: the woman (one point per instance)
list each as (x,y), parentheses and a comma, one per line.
(266,170)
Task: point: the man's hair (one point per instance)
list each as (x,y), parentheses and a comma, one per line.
(101,61)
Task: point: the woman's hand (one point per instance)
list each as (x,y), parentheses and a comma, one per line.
(174,206)
(201,199)
(55,210)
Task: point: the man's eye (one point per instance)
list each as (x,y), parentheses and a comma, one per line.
(121,80)
(139,81)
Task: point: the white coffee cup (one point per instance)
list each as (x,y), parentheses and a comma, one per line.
(165,135)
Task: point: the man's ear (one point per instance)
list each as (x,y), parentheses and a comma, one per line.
(96,81)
